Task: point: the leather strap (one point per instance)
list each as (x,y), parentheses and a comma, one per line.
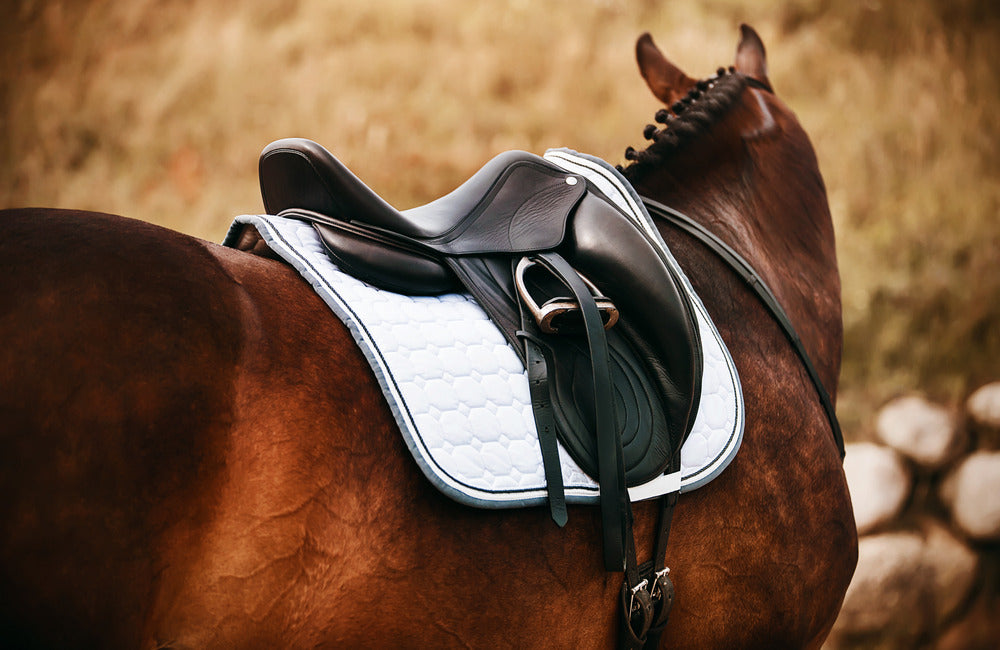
(759,85)
(636,617)
(638,609)
(667,503)
(760,288)
(663,602)
(541,405)
(611,460)
(662,590)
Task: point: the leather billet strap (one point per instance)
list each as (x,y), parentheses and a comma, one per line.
(662,588)
(647,593)
(636,609)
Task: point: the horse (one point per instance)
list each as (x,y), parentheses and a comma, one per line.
(196,454)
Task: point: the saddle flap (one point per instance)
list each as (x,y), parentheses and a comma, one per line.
(640,418)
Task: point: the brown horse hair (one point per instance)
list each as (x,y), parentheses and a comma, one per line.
(705,103)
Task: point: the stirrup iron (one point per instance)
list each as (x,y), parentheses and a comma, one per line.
(561,315)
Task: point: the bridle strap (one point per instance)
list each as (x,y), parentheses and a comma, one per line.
(760,288)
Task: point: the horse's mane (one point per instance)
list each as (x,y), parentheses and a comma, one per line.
(703,105)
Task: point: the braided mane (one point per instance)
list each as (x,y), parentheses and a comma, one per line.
(704,104)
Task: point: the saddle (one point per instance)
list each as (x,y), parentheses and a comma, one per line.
(605,331)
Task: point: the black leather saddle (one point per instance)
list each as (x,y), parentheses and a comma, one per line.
(600,319)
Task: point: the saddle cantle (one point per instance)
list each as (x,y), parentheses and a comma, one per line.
(520,206)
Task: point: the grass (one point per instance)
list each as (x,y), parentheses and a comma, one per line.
(158,110)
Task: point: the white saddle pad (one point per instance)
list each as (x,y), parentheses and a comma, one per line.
(459,392)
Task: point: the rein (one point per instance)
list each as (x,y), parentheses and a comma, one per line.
(743,269)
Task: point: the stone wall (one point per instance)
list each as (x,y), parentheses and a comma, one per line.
(927,504)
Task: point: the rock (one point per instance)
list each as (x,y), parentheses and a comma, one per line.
(972,494)
(880,484)
(886,594)
(923,432)
(978,629)
(983,408)
(953,569)
(907,585)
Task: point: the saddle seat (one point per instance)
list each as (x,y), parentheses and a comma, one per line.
(392,249)
(299,173)
(520,207)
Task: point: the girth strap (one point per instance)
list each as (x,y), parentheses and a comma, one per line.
(647,593)
(662,591)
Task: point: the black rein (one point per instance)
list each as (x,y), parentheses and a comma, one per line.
(760,288)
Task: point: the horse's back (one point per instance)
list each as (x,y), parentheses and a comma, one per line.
(196,454)
(124,347)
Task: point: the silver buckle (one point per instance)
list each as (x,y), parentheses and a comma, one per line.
(636,589)
(654,593)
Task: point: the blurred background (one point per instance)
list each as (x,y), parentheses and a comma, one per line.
(158,110)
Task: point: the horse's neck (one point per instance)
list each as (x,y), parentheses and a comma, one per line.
(769,204)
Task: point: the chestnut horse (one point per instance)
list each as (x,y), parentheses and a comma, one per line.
(195,454)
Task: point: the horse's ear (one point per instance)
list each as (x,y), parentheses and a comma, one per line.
(666,80)
(751,59)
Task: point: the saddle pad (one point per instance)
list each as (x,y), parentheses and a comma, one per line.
(459,392)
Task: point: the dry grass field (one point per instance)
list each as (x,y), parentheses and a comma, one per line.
(158,110)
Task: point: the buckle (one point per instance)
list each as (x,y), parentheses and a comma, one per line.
(561,315)
(636,613)
(641,587)
(658,580)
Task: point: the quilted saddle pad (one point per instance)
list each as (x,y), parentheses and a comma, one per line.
(458,391)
